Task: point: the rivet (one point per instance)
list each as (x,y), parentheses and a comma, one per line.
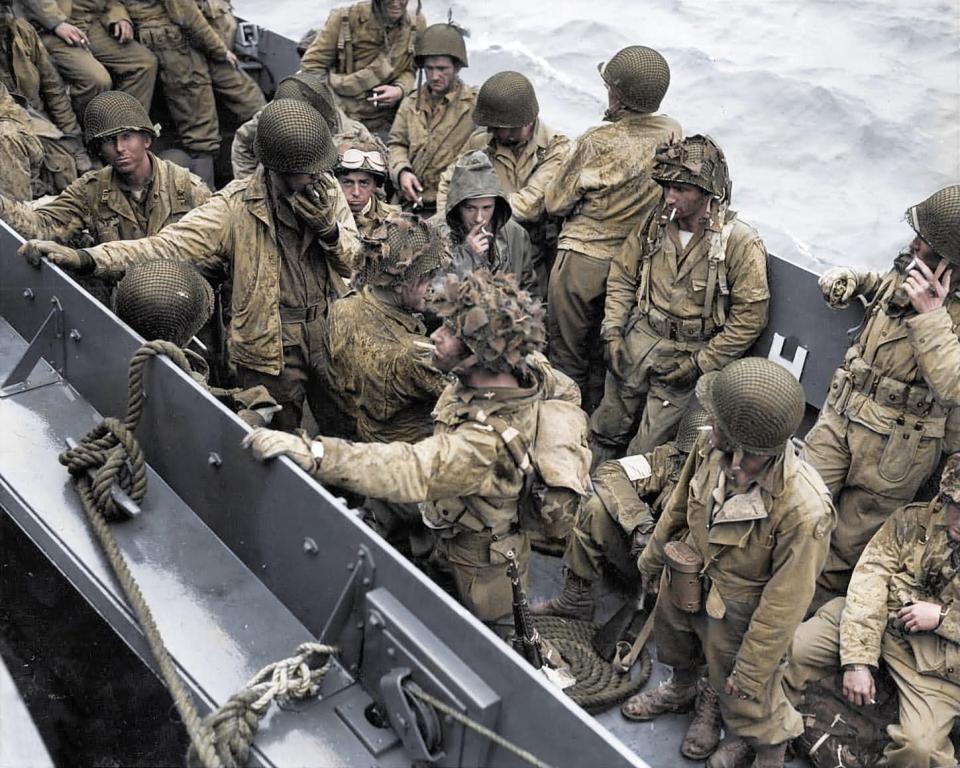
(75,334)
(310,546)
(28,294)
(214,459)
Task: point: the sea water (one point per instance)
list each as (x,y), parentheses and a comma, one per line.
(835,115)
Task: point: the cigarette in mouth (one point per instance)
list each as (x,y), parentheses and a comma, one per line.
(484,232)
(425,345)
(673,215)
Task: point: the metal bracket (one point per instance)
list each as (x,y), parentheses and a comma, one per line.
(775,354)
(344,628)
(415,722)
(48,343)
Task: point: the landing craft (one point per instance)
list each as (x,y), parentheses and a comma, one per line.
(241,562)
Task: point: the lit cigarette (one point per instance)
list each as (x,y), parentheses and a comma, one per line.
(673,215)
(484,232)
(425,345)
(911,265)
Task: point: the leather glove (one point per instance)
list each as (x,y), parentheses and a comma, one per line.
(266,444)
(314,206)
(679,374)
(61,255)
(838,285)
(612,353)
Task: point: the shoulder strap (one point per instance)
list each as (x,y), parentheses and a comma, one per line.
(717,274)
(345,42)
(516,445)
(652,234)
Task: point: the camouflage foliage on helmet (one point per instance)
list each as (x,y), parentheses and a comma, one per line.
(937,220)
(506,100)
(950,479)
(497,321)
(756,404)
(442,40)
(113,112)
(402,247)
(639,76)
(693,419)
(345,141)
(311,88)
(164,299)
(292,137)
(696,160)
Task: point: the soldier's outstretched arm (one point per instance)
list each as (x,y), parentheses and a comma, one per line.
(60,219)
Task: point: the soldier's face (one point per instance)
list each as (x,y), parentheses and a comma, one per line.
(358,187)
(448,349)
(920,249)
(512,137)
(412,294)
(689,201)
(295,182)
(440,72)
(951,514)
(126,151)
(395,9)
(477,212)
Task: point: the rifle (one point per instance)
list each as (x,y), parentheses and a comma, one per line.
(527,639)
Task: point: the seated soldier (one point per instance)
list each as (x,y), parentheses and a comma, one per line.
(362,169)
(21,152)
(901,609)
(219,14)
(307,87)
(479,227)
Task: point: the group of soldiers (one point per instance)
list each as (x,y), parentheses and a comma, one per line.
(436,273)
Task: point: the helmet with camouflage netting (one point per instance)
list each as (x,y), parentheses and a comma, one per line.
(950,478)
(311,88)
(113,112)
(755,403)
(292,137)
(442,40)
(506,100)
(402,247)
(639,76)
(696,160)
(937,221)
(164,299)
(496,320)
(356,153)
(690,427)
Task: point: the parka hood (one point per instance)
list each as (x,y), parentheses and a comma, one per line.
(474,176)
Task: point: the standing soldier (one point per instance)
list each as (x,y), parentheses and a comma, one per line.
(879,435)
(603,190)
(526,154)
(479,228)
(758,521)
(28,72)
(366,50)
(466,473)
(361,170)
(686,294)
(91,42)
(284,237)
(433,124)
(21,152)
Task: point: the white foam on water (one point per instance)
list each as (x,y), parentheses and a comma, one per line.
(835,115)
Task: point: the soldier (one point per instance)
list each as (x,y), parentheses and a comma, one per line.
(27,72)
(284,238)
(91,42)
(479,228)
(759,520)
(902,608)
(366,50)
(686,294)
(879,435)
(526,154)
(194,62)
(361,170)
(219,14)
(465,474)
(308,87)
(433,124)
(602,191)
(21,152)
(135,195)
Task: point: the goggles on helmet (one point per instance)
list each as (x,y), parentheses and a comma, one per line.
(358,160)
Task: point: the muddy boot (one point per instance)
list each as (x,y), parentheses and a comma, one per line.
(770,756)
(669,697)
(703,735)
(733,752)
(575,602)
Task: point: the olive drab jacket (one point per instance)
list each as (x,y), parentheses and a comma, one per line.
(234,234)
(381,363)
(154,18)
(762,549)
(98,203)
(718,306)
(908,559)
(21,153)
(373,214)
(524,175)
(428,136)
(81,13)
(603,189)
(359,52)
(465,470)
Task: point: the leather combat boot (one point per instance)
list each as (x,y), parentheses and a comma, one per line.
(703,735)
(770,757)
(669,697)
(733,752)
(574,602)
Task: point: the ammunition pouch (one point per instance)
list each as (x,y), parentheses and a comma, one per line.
(161,36)
(859,376)
(668,326)
(683,576)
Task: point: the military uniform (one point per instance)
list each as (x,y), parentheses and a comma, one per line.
(910,558)
(372,216)
(104,63)
(21,152)
(361,51)
(219,13)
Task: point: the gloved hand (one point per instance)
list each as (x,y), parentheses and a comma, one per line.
(612,353)
(838,285)
(269,443)
(61,255)
(679,374)
(638,541)
(314,206)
